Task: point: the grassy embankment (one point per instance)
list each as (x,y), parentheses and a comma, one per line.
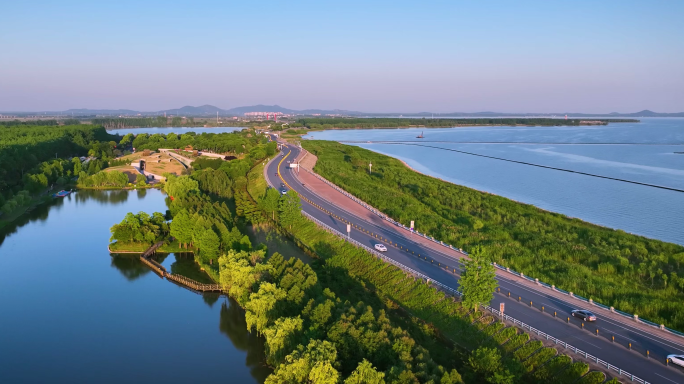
(434,318)
(632,273)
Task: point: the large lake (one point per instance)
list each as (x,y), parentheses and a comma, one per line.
(72,313)
(648,211)
(176,130)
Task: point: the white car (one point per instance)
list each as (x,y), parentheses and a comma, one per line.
(380,247)
(676,359)
(583,314)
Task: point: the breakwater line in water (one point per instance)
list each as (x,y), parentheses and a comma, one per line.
(495,142)
(541,166)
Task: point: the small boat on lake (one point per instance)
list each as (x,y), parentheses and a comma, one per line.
(61,193)
(420,136)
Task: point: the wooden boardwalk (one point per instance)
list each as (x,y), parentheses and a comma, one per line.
(178,279)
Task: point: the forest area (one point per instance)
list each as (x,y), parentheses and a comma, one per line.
(32,158)
(629,272)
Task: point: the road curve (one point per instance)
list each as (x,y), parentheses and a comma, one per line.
(433,262)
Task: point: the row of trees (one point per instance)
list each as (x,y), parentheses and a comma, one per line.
(42,123)
(330,123)
(108,179)
(130,122)
(629,272)
(159,121)
(239,142)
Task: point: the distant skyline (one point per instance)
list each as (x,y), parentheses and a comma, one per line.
(380,56)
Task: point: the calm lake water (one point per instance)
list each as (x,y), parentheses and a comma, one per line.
(176,130)
(72,313)
(648,211)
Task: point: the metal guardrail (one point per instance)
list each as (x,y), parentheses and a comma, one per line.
(567,346)
(511,319)
(517,274)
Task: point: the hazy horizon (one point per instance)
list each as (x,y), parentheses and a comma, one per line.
(523,57)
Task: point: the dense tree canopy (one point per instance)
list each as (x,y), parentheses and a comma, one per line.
(140,228)
(29,149)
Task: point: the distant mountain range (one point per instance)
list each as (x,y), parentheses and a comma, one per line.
(210,110)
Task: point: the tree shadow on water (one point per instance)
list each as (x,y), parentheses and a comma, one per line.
(130,266)
(233,325)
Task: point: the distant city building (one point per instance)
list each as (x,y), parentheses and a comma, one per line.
(263,114)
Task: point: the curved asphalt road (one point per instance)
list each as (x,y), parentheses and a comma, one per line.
(616,353)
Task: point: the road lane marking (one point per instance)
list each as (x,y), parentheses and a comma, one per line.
(578,339)
(666,378)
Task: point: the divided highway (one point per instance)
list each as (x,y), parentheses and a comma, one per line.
(433,261)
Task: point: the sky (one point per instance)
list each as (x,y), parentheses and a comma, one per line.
(371,56)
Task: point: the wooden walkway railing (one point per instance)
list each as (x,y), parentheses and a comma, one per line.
(178,279)
(190,283)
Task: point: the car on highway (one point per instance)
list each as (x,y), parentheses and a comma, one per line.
(380,247)
(676,359)
(583,314)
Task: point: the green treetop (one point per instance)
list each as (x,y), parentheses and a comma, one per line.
(478,281)
(290,208)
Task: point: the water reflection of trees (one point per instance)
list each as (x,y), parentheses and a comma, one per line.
(110,197)
(38,213)
(130,266)
(233,325)
(185,265)
(210,298)
(142,193)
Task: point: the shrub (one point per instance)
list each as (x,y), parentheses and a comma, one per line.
(526,350)
(516,342)
(493,328)
(572,373)
(594,377)
(505,334)
(539,358)
(546,372)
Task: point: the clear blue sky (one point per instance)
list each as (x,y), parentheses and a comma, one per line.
(375,56)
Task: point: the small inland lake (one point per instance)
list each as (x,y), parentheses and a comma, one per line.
(73,313)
